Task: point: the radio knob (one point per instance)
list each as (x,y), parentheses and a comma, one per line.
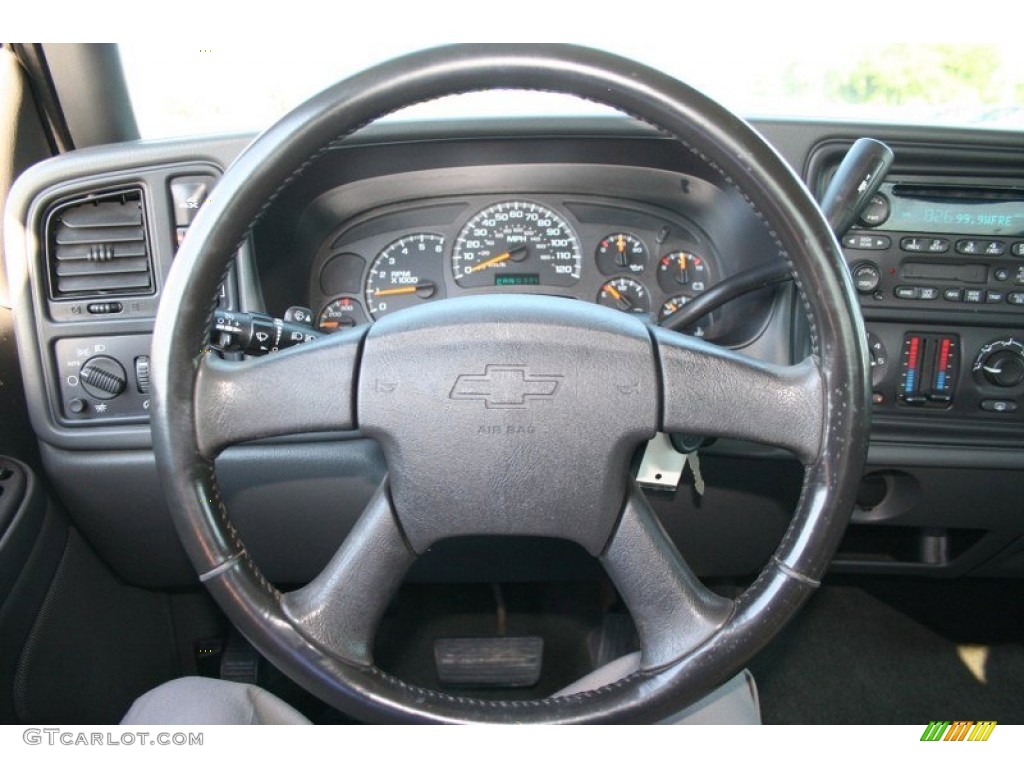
(1001,363)
(866,277)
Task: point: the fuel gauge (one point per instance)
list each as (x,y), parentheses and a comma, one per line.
(625,295)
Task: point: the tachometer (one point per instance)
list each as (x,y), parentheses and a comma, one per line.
(516,242)
(407,272)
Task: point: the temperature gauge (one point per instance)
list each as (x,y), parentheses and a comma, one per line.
(340,314)
(682,270)
(676,303)
(625,295)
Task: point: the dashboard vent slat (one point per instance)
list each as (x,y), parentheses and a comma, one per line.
(98,246)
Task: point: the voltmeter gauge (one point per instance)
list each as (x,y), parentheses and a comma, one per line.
(682,270)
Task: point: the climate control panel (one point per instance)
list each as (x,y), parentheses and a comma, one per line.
(948,373)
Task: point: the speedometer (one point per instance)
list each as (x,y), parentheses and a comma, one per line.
(516,242)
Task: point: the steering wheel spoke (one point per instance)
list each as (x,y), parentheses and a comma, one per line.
(307,388)
(710,390)
(673,611)
(340,609)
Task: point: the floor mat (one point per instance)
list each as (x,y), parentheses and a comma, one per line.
(899,651)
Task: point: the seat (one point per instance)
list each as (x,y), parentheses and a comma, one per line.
(205,701)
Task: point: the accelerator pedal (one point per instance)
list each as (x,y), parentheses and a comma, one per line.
(489,662)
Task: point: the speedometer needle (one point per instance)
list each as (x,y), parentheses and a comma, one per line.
(516,254)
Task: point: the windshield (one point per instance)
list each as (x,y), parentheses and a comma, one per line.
(237,87)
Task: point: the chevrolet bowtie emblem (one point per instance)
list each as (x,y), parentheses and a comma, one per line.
(505,386)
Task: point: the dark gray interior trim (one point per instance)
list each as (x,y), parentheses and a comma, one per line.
(87,74)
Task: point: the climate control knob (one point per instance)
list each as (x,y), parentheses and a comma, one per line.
(103,377)
(1001,363)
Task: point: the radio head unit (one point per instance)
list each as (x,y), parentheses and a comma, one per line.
(941,245)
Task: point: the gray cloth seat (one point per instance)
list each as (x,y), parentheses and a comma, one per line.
(733,703)
(205,701)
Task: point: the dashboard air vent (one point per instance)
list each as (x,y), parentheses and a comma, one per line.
(98,246)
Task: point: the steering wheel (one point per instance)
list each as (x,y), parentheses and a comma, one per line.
(563,381)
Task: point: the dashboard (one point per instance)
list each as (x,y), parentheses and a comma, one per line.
(600,210)
(615,253)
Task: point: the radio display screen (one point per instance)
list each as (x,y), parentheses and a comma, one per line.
(956,211)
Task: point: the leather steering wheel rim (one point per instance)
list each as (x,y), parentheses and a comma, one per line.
(823,402)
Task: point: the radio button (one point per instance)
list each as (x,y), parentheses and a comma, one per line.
(915,244)
(876,211)
(998,406)
(927,293)
(974,296)
(1016,297)
(907,292)
(867,242)
(970,247)
(995,297)
(953,294)
(938,245)
(1017,249)
(1002,274)
(995,248)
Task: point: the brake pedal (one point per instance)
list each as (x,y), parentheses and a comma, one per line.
(239,662)
(489,662)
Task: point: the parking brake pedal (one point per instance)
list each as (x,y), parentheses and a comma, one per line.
(489,662)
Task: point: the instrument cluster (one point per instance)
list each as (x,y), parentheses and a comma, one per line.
(622,254)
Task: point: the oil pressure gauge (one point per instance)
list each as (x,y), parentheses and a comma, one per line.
(621,252)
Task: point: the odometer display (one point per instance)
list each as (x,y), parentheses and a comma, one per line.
(516,279)
(516,237)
